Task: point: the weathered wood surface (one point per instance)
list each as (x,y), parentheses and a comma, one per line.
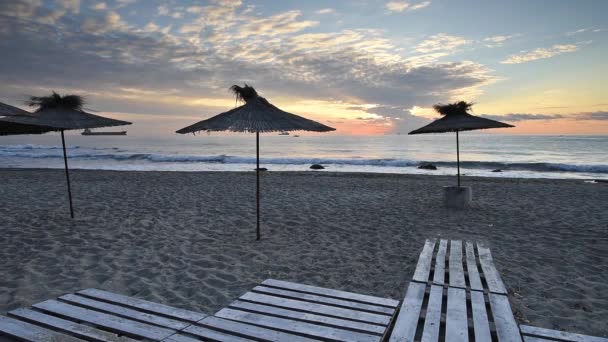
(506,327)
(492,276)
(423,268)
(143,305)
(324,300)
(113,323)
(121,311)
(273,311)
(309,312)
(472,269)
(464,269)
(530,333)
(332,293)
(450,303)
(29,332)
(66,326)
(432,321)
(406,322)
(439,273)
(455,265)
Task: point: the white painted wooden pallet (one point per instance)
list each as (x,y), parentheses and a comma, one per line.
(273,311)
(454,264)
(456,295)
(284,311)
(533,334)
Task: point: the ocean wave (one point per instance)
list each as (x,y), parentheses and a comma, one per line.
(115,154)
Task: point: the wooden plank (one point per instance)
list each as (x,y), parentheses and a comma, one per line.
(456,324)
(207,334)
(406,322)
(62,325)
(472,270)
(456,269)
(439,274)
(495,284)
(536,339)
(124,312)
(246,330)
(331,293)
(432,321)
(317,308)
(143,305)
(423,268)
(181,338)
(30,332)
(110,322)
(559,335)
(481,326)
(297,327)
(309,317)
(506,327)
(324,300)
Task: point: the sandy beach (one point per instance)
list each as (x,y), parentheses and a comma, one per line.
(188,239)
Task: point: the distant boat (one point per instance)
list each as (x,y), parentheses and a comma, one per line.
(89,132)
(284,133)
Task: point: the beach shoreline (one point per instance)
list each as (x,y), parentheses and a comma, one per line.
(187,238)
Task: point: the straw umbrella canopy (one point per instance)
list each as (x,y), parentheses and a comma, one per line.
(457,119)
(257,116)
(56,113)
(8,110)
(7,127)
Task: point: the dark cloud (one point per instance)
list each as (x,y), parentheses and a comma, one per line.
(532,117)
(99,53)
(523,117)
(593,116)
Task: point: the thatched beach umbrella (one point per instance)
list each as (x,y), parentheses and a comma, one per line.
(257,116)
(7,127)
(456,119)
(56,113)
(8,110)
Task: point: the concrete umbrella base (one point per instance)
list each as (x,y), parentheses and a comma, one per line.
(457,197)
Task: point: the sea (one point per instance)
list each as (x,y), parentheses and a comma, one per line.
(481,154)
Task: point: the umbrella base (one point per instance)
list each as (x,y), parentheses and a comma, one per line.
(457,197)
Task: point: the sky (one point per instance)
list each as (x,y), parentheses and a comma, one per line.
(363,67)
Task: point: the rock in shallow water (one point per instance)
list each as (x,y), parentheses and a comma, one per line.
(497,170)
(317,167)
(428,167)
(261,169)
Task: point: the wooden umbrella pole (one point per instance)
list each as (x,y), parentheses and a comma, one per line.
(458,157)
(67,174)
(257,174)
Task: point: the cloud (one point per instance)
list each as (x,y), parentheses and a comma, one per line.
(496,41)
(441,42)
(100,6)
(401,6)
(325,11)
(540,53)
(523,117)
(71,5)
(593,116)
(163,10)
(582,116)
(182,70)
